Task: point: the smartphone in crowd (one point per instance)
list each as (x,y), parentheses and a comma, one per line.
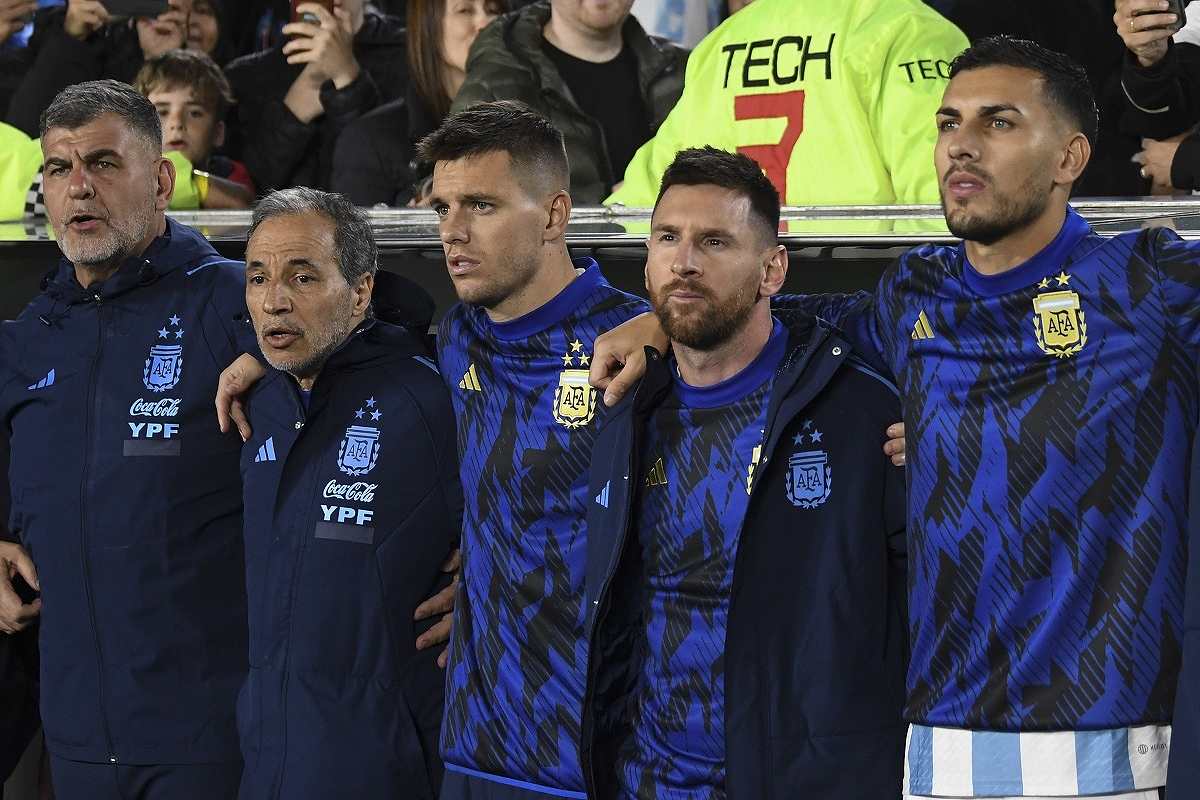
(310,18)
(1173,7)
(135,8)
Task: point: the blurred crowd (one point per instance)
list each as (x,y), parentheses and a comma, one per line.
(267,94)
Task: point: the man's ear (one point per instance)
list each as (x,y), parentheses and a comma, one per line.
(559,216)
(775,267)
(1074,160)
(362,293)
(166,184)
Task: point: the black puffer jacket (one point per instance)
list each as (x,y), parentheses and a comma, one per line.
(375,158)
(280,150)
(1164,100)
(507,63)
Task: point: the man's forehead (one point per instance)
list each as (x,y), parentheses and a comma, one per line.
(284,236)
(994,86)
(702,206)
(105,132)
(493,164)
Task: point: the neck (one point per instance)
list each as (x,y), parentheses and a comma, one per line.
(1019,246)
(702,368)
(306,384)
(552,275)
(452,80)
(87,274)
(587,44)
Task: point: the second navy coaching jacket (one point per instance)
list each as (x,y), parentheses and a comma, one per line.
(816,646)
(352,503)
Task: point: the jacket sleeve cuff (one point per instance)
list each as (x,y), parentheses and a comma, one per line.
(1152,89)
(359,96)
(1185,167)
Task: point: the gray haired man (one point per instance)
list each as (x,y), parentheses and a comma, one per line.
(352,503)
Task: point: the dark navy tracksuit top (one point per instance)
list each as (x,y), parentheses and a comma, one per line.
(128,499)
(352,504)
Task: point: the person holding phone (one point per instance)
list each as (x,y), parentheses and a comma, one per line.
(1161,79)
(340,60)
(92,39)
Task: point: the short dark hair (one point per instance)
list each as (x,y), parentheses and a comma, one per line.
(505,126)
(82,103)
(1065,82)
(353,241)
(190,68)
(708,166)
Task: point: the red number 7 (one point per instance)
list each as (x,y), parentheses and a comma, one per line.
(773,158)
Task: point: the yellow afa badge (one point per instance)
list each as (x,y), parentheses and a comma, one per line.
(1058,320)
(574,398)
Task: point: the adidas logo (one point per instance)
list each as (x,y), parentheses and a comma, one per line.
(44,382)
(602,498)
(470,380)
(658,474)
(266,452)
(922,330)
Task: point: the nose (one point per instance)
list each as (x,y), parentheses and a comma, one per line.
(176,121)
(483,19)
(684,264)
(453,227)
(276,299)
(962,144)
(79,185)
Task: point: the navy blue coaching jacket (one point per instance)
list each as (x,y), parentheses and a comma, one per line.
(352,504)
(128,499)
(816,646)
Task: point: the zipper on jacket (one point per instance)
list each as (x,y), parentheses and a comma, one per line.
(83,524)
(301,420)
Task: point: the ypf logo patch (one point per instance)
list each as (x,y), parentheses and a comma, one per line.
(164,367)
(810,478)
(359,450)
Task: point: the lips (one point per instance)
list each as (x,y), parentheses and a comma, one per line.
(83,221)
(176,144)
(279,337)
(962,184)
(460,264)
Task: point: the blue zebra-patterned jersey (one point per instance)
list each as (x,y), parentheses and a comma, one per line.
(688,518)
(525,414)
(1050,412)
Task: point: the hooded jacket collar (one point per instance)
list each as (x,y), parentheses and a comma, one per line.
(179,247)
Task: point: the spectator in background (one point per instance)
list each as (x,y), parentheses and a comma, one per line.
(1161,79)
(375,157)
(835,101)
(294,100)
(81,41)
(1082,30)
(192,97)
(590,68)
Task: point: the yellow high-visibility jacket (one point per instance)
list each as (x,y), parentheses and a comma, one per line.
(835,99)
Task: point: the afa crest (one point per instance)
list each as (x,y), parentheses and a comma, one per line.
(164,367)
(574,398)
(359,450)
(809,478)
(1059,322)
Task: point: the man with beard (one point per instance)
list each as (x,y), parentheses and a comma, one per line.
(125,495)
(742,514)
(1049,379)
(352,497)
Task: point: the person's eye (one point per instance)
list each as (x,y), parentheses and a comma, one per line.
(714,242)
(947,125)
(304,279)
(105,165)
(1001,123)
(441,209)
(666,237)
(480,205)
(257,280)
